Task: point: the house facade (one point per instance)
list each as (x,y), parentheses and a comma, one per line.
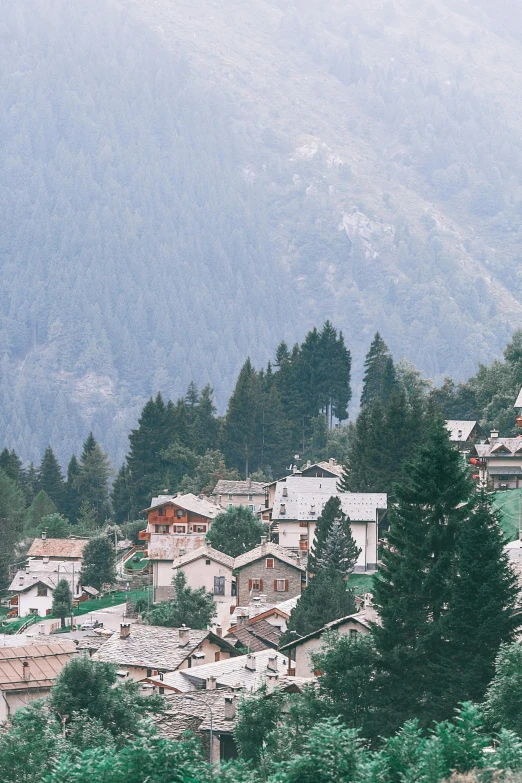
(229,494)
(298,652)
(464,433)
(299,502)
(32,589)
(208,568)
(498,461)
(179,515)
(268,571)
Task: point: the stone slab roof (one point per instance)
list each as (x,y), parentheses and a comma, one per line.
(58,547)
(226,487)
(303,499)
(206,552)
(247,639)
(456,426)
(195,503)
(232,672)
(499,447)
(267,550)
(150,647)
(359,618)
(46,660)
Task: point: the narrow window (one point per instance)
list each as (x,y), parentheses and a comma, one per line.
(219,585)
(270,562)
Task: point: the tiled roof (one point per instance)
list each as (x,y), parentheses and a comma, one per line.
(232,672)
(264,630)
(172,546)
(198,505)
(206,552)
(183,714)
(58,547)
(360,618)
(45,663)
(267,550)
(24,580)
(150,647)
(226,487)
(247,639)
(460,430)
(305,499)
(258,608)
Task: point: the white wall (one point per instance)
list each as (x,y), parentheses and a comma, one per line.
(30,600)
(303,666)
(364,533)
(199,574)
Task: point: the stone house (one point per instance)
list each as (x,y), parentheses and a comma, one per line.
(270,571)
(230,494)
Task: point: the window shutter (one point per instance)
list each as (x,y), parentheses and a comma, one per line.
(275,585)
(249,584)
(260,584)
(286,585)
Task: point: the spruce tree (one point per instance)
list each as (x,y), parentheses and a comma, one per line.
(241,435)
(72,497)
(147,442)
(41,505)
(206,426)
(11,464)
(368,461)
(379,373)
(414,584)
(480,612)
(62,601)
(333,545)
(51,480)
(99,563)
(93,480)
(121,496)
(324,600)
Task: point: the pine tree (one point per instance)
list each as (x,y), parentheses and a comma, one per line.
(324,600)
(99,563)
(12,511)
(11,464)
(379,373)
(121,495)
(62,601)
(367,463)
(206,426)
(147,442)
(241,437)
(40,507)
(86,521)
(414,584)
(72,497)
(333,545)
(92,482)
(480,612)
(51,480)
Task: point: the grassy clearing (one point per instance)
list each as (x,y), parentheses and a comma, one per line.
(360,583)
(140,565)
(507,504)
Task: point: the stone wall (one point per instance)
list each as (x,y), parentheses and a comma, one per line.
(258,570)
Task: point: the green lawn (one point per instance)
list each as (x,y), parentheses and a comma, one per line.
(360,583)
(508,505)
(142,563)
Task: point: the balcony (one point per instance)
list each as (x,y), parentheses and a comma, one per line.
(144,535)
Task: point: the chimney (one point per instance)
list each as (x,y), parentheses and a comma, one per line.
(211,683)
(184,634)
(308,463)
(26,670)
(262,598)
(332,461)
(230,707)
(494,434)
(242,620)
(271,681)
(125,630)
(219,631)
(44,535)
(250,662)
(264,539)
(272,663)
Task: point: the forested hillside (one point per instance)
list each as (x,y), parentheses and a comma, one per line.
(183,183)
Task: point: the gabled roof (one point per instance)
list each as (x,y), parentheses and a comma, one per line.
(226,487)
(303,499)
(327,466)
(154,647)
(360,618)
(206,552)
(45,664)
(267,550)
(245,638)
(510,446)
(170,546)
(58,547)
(459,429)
(189,502)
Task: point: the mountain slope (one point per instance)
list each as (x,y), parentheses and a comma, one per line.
(186,183)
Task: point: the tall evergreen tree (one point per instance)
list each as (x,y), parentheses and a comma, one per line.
(414,584)
(12,510)
(206,426)
(334,546)
(241,433)
(40,507)
(93,479)
(99,562)
(11,464)
(479,616)
(121,495)
(147,442)
(51,480)
(335,374)
(379,373)
(72,495)
(62,601)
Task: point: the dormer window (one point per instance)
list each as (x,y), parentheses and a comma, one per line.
(282,510)
(285,492)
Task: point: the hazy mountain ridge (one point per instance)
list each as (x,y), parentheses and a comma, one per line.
(185,183)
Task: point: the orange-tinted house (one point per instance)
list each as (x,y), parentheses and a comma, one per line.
(179,515)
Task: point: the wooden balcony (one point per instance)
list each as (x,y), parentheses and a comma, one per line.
(144,535)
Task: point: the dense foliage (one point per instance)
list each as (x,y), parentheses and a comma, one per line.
(235,531)
(194,608)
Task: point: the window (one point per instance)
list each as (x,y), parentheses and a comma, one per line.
(303,543)
(303,524)
(217,656)
(281,585)
(285,492)
(161,512)
(353,633)
(219,585)
(282,510)
(250,497)
(149,672)
(179,528)
(231,497)
(251,506)
(255,584)
(33,611)
(42,590)
(270,562)
(230,505)
(234,590)
(207,562)
(161,690)
(180,513)
(199,528)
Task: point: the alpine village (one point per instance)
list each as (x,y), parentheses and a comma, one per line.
(277,594)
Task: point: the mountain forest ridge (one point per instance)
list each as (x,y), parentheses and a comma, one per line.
(185,183)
